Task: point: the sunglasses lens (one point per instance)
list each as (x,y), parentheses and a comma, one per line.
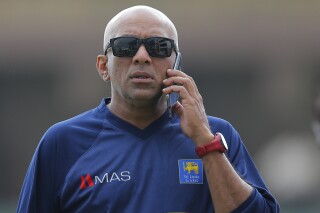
(125,46)
(128,46)
(159,47)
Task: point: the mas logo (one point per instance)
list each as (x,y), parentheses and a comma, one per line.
(190,171)
(89,180)
(86,181)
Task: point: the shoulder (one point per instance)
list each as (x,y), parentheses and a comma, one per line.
(66,141)
(231,135)
(84,122)
(221,125)
(71,137)
(59,149)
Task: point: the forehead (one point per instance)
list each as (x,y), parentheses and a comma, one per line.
(142,24)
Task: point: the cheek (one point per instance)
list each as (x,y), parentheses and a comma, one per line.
(115,68)
(163,67)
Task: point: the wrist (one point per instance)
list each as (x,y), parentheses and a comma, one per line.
(217,144)
(203,138)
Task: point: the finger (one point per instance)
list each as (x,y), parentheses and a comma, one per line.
(178,108)
(183,93)
(186,99)
(185,82)
(172,73)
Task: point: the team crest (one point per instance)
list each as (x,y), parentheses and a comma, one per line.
(190,171)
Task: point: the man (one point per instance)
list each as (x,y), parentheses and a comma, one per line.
(127,155)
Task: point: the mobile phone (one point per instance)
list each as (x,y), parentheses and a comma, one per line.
(174,97)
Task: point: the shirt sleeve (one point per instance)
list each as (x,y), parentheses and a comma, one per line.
(260,200)
(39,192)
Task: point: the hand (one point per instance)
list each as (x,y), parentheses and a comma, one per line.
(193,118)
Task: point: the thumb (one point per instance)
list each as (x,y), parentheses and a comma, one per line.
(178,108)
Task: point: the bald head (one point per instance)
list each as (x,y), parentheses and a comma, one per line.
(140,21)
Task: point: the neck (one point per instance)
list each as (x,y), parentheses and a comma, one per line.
(140,114)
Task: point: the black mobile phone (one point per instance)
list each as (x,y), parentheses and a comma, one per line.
(174,96)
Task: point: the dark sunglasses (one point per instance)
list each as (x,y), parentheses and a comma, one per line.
(128,46)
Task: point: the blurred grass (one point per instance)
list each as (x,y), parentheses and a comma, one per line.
(302,209)
(7,206)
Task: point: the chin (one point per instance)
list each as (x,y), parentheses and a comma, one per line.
(147,97)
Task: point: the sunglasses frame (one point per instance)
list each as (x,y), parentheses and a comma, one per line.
(140,42)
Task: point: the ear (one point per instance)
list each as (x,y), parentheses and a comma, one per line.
(102,67)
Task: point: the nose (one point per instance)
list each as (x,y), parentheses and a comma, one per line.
(142,56)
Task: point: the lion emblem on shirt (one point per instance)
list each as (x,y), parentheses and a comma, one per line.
(191,166)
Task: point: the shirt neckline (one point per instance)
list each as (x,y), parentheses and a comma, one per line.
(130,128)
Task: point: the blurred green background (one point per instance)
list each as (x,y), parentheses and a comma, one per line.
(256,64)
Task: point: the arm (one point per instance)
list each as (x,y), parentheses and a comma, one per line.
(229,191)
(38,190)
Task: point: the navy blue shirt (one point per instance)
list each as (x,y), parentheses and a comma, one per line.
(97,162)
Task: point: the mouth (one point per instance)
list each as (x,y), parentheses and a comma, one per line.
(141,75)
